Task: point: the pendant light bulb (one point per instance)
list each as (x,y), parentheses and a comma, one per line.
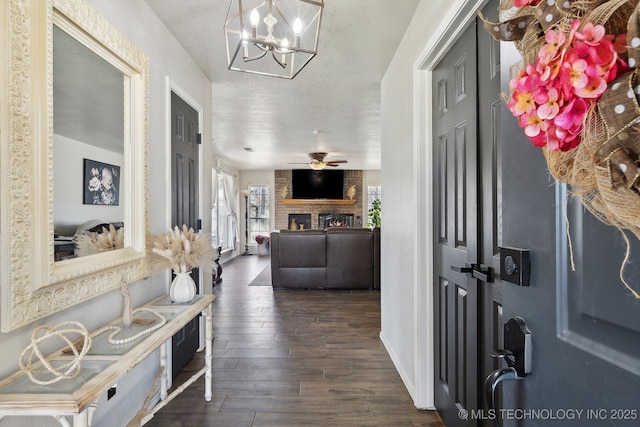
(254,17)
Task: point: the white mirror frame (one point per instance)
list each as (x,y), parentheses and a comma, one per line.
(32,285)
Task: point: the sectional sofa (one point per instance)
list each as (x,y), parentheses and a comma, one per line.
(335,258)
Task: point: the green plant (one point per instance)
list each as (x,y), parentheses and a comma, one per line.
(374,214)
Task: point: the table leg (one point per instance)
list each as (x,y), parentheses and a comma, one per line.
(163,368)
(207,355)
(80,420)
(62,420)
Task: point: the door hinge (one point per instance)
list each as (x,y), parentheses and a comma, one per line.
(199,138)
(199,224)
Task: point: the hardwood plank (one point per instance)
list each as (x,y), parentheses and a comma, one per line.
(294,358)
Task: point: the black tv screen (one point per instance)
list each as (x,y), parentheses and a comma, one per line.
(312,184)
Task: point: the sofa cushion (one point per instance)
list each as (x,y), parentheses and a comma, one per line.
(350,258)
(305,249)
(303,278)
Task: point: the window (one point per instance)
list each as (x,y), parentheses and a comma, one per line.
(223,212)
(258,211)
(373,192)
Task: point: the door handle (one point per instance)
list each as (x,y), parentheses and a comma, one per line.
(468,268)
(490,386)
(484,273)
(481,272)
(517,354)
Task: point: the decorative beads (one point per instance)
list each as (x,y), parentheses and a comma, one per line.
(68,370)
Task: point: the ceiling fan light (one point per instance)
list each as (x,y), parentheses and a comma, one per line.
(316,165)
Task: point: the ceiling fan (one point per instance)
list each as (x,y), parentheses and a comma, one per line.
(318,161)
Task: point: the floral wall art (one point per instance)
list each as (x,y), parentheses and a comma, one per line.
(101,183)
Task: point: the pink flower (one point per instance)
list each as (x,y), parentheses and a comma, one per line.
(591,34)
(533,124)
(549,51)
(522,103)
(572,114)
(576,74)
(619,43)
(594,88)
(549,108)
(523,3)
(551,97)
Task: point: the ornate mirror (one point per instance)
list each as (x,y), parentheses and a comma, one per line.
(74,158)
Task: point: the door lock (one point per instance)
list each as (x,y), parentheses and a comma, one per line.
(515,266)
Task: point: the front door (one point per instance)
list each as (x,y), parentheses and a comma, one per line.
(468,306)
(585,324)
(184,196)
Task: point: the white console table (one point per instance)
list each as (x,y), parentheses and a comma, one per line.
(105,364)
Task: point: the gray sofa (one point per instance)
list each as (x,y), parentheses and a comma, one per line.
(338,258)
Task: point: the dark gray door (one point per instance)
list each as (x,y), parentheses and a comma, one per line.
(455,107)
(489,195)
(467,143)
(585,324)
(184,195)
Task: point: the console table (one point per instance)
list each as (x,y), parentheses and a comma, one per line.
(105,364)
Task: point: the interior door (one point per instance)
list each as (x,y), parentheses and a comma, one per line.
(585,324)
(455,107)
(184,178)
(467,142)
(490,200)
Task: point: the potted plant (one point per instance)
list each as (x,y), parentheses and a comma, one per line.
(182,250)
(374,214)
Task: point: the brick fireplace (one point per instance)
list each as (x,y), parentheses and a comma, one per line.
(314,208)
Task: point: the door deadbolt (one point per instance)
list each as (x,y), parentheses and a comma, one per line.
(510,265)
(515,266)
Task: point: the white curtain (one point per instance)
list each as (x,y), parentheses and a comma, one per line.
(229,193)
(215,221)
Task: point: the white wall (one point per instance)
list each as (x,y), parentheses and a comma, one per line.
(401,213)
(167,60)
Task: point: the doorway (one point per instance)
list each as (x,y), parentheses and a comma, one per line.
(185,176)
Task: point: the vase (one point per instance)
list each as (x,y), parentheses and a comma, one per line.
(183,288)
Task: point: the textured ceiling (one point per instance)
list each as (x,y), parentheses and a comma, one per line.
(337,93)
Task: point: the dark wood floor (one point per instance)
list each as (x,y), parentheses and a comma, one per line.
(294,358)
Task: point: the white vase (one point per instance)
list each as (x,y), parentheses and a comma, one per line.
(183,288)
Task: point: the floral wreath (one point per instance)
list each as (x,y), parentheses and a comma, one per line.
(576,96)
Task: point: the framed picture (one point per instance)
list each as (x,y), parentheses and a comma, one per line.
(101,183)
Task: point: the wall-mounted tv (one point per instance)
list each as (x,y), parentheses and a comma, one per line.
(312,184)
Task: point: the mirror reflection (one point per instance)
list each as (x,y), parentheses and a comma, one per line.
(88,150)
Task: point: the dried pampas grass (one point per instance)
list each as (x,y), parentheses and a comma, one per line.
(182,250)
(95,243)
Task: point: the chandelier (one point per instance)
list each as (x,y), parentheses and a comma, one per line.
(274,38)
